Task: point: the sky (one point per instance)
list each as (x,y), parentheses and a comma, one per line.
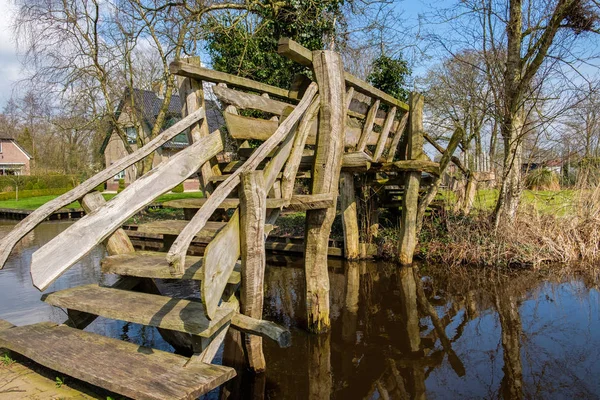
(10,68)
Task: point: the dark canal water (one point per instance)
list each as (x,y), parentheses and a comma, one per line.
(396,333)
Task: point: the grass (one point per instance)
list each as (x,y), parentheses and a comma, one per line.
(6,360)
(35,202)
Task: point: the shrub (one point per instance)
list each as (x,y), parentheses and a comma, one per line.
(100,188)
(542,179)
(32,193)
(178,188)
(34,182)
(121,185)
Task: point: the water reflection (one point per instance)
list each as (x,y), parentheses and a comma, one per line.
(397,333)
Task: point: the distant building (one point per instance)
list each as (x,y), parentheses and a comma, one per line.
(140,121)
(14,160)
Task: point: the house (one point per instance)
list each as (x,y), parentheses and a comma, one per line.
(139,120)
(14,160)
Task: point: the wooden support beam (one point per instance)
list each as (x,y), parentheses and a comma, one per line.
(296,52)
(253,211)
(441,150)
(39,215)
(328,71)
(205,74)
(58,255)
(300,202)
(251,101)
(387,126)
(368,127)
(396,139)
(191,93)
(349,216)
(430,167)
(410,200)
(262,328)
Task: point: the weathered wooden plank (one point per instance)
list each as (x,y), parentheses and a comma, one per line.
(253,211)
(397,136)
(291,168)
(265,329)
(118,242)
(387,126)
(247,128)
(356,160)
(52,259)
(439,148)
(410,200)
(150,264)
(141,308)
(140,373)
(349,216)
(5,325)
(295,51)
(328,69)
(196,72)
(39,215)
(212,348)
(412,166)
(368,127)
(191,93)
(177,253)
(299,202)
(245,101)
(220,257)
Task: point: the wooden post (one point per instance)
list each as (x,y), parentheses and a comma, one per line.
(349,216)
(191,94)
(253,211)
(329,74)
(410,200)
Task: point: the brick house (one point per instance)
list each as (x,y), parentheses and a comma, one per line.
(14,160)
(139,121)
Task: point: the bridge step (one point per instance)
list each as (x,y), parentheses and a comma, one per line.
(150,264)
(296,203)
(117,366)
(147,309)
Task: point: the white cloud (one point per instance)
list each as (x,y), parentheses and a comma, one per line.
(10,68)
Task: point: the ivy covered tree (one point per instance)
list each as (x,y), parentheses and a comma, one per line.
(390,75)
(248,48)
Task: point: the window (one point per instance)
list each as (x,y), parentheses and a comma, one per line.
(120,175)
(131,133)
(182,138)
(0,146)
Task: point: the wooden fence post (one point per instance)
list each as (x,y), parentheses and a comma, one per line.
(253,211)
(349,216)
(410,200)
(329,73)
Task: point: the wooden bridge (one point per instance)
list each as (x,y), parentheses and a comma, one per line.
(330,131)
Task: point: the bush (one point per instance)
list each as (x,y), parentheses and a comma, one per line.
(23,194)
(36,182)
(100,188)
(178,188)
(542,179)
(121,185)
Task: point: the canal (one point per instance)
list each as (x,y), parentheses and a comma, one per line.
(422,332)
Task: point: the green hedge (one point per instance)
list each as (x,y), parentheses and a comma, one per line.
(23,194)
(37,182)
(178,188)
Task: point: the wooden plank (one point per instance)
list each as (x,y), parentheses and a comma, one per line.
(298,53)
(245,101)
(368,127)
(300,202)
(177,253)
(120,367)
(141,308)
(412,166)
(410,200)
(387,126)
(356,160)
(174,227)
(191,93)
(118,242)
(397,136)
(291,168)
(205,74)
(439,148)
(262,328)
(150,264)
(51,260)
(220,257)
(328,69)
(8,242)
(349,216)
(253,212)
(246,128)
(5,325)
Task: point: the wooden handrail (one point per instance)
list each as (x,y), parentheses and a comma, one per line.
(296,52)
(40,215)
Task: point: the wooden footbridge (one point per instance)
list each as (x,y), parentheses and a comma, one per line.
(329,131)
